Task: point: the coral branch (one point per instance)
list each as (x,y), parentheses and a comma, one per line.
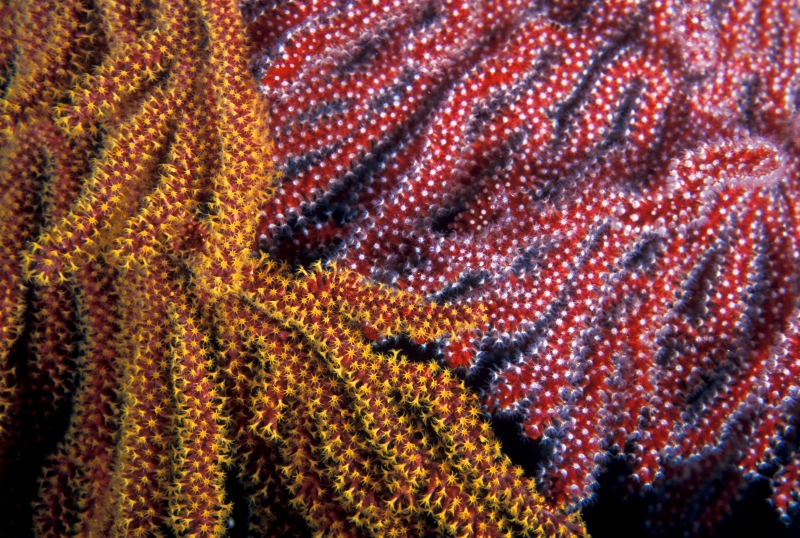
(615,182)
(133,184)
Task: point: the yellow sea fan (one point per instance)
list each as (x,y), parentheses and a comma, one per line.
(133,177)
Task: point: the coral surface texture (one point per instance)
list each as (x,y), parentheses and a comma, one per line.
(399,267)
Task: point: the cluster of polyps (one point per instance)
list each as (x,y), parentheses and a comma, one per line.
(615,183)
(130,288)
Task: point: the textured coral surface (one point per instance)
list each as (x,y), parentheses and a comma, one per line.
(306,311)
(616,182)
(157,372)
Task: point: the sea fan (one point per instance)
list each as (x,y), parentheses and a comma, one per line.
(617,182)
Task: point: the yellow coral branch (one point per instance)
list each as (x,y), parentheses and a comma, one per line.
(132,187)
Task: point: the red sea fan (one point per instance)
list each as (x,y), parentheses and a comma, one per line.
(617,182)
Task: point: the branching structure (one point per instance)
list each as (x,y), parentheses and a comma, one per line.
(135,160)
(615,181)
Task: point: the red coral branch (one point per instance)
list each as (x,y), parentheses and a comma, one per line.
(616,182)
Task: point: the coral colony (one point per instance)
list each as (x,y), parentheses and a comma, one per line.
(312,304)
(615,182)
(136,160)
